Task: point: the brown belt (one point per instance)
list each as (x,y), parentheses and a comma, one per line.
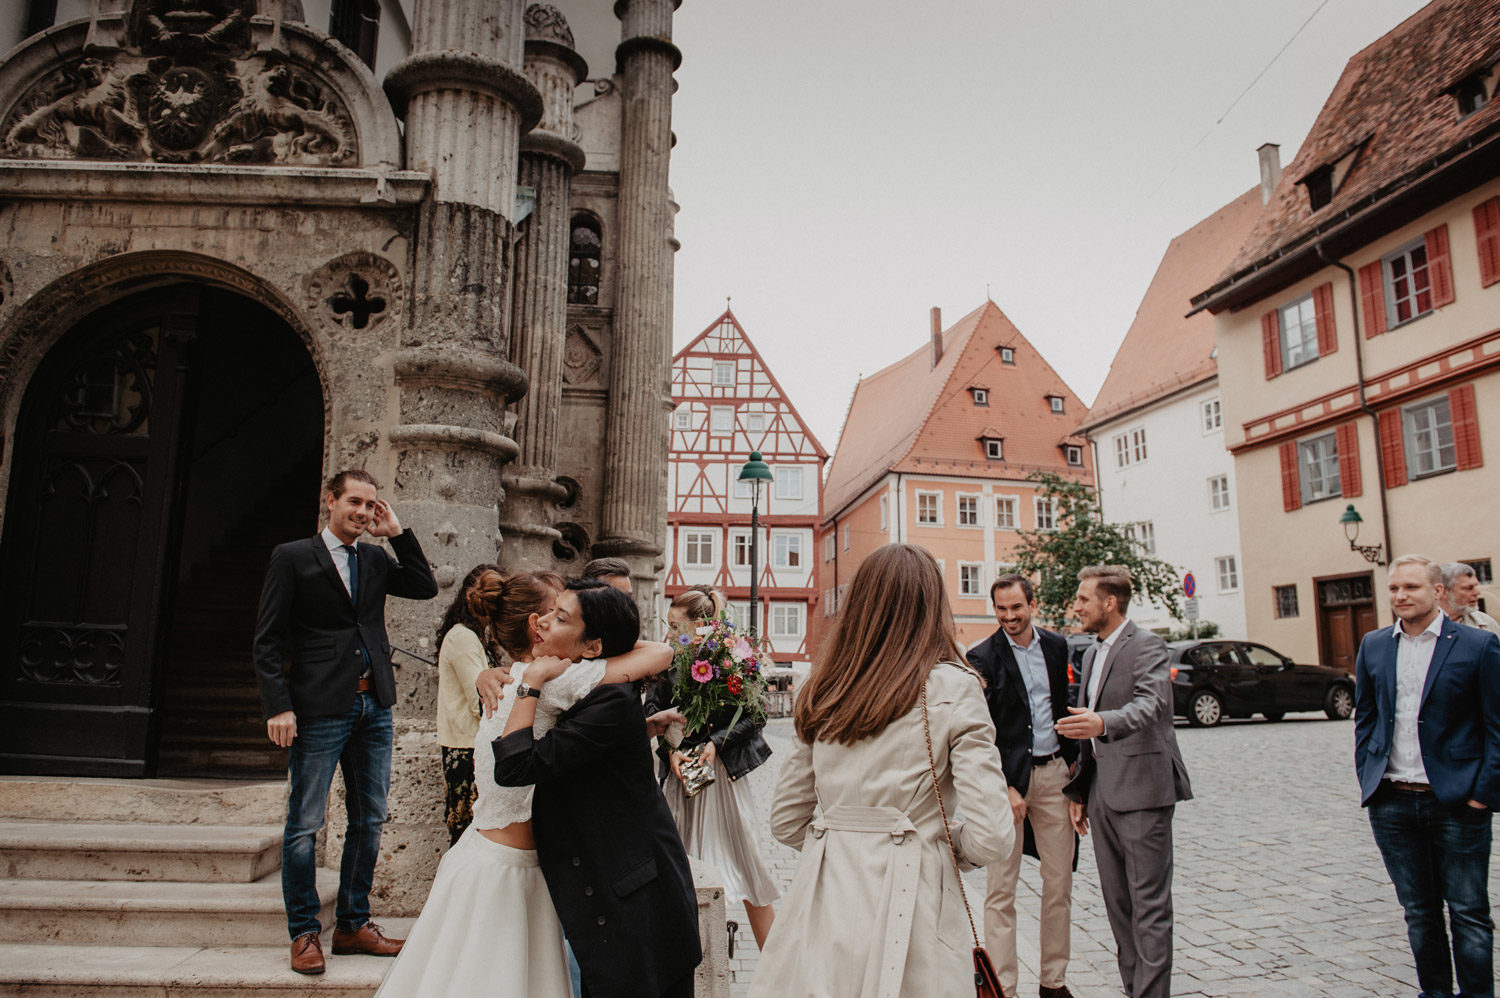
(365,686)
(1416,788)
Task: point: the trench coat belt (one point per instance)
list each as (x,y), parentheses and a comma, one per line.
(904,873)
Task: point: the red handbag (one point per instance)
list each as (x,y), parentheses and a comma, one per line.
(986,984)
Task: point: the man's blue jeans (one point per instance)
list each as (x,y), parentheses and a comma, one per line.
(358,743)
(1436,853)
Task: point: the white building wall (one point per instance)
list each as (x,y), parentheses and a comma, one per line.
(1170,490)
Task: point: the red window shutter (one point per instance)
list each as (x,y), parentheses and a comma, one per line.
(1270,343)
(1439,267)
(1487,234)
(1291,485)
(1392,449)
(1465,427)
(1348,445)
(1372,298)
(1328,336)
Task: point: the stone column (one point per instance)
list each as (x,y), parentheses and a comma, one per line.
(549,159)
(641,346)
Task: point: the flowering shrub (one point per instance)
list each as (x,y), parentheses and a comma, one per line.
(713,668)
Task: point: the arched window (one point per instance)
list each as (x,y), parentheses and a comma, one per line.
(584,251)
(356,23)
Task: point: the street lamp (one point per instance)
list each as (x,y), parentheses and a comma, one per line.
(1351,521)
(755,471)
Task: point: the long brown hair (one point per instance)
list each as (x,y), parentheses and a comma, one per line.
(514,601)
(872,665)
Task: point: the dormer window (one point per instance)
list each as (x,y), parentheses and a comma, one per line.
(994,448)
(981,396)
(1473,92)
(1074,455)
(1319,184)
(1007,356)
(1055,403)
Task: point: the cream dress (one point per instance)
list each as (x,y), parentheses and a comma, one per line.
(488,929)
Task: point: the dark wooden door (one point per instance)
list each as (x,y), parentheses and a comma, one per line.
(85,557)
(1346,613)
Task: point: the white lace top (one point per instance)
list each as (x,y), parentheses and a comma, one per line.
(499,806)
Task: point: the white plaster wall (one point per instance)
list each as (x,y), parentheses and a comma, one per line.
(1170,489)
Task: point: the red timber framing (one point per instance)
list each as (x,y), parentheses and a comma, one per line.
(727,403)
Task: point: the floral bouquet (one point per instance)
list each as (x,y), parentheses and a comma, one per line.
(714,668)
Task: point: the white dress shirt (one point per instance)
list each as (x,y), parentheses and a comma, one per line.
(1413,658)
(1097,669)
(340,557)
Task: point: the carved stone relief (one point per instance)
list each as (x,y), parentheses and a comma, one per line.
(189,91)
(355,291)
(581,358)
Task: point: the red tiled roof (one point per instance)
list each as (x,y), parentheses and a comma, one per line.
(1166,350)
(1394,105)
(913,417)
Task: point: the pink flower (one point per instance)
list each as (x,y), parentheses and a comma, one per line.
(741,650)
(702,671)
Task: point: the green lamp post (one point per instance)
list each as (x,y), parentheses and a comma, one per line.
(755,471)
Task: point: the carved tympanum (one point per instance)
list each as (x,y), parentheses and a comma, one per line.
(187,91)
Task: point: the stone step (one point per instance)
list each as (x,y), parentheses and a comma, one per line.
(131,913)
(189,802)
(251,763)
(185,971)
(72,850)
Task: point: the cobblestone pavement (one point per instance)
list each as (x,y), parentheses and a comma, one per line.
(1279,889)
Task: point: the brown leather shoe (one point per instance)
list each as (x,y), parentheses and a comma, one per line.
(366,939)
(1061,991)
(307,954)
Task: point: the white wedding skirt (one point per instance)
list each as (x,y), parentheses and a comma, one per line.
(488,930)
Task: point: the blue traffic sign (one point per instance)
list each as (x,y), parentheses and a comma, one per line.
(1189,584)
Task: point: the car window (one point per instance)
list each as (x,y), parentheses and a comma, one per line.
(1210,655)
(1224,655)
(1259,655)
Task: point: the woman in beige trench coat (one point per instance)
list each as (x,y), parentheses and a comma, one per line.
(875,907)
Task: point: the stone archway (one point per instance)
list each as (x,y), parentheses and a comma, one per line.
(163,444)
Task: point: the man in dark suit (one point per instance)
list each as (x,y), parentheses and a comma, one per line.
(324,603)
(1427,750)
(1130,776)
(608,848)
(1025,669)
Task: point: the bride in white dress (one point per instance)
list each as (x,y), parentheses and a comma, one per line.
(488,928)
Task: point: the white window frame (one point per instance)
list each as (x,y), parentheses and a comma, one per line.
(1014,504)
(739,539)
(786,549)
(723,374)
(1213,416)
(971,579)
(1130,447)
(1073,455)
(829,543)
(1406,258)
(1423,425)
(1148,537)
(1007,355)
(721,414)
(972,498)
(994,448)
(692,543)
(755,422)
(846,537)
(1227,571)
(1039,504)
(937,509)
(739,614)
(788,475)
(981,396)
(1219,498)
(885,513)
(682,419)
(1318,462)
(781,614)
(1297,325)
(1055,403)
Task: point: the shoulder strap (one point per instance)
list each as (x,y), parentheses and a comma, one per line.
(943,811)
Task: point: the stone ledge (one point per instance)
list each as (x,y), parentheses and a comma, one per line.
(201,183)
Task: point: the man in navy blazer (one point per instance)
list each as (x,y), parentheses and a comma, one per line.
(1025,670)
(1427,750)
(330,706)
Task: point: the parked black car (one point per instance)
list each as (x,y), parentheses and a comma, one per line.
(1214,679)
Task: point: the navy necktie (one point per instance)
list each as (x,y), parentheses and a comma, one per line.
(353,574)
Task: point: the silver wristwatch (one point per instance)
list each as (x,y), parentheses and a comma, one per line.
(522,690)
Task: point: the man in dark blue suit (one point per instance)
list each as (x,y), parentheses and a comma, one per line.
(1427,750)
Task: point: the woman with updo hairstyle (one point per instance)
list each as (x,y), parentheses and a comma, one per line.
(466,646)
(715,825)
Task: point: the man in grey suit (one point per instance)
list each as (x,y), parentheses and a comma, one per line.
(1129,778)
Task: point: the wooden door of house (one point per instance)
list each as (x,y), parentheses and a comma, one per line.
(1346,613)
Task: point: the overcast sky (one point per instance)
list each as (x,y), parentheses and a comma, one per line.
(845,165)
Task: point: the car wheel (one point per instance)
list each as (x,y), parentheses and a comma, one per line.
(1339,704)
(1205,710)
(1273,715)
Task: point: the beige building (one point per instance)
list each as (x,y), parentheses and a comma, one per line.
(1359,352)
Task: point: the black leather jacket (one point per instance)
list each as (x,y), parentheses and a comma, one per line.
(741,748)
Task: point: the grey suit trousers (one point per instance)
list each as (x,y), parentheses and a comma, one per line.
(1134,852)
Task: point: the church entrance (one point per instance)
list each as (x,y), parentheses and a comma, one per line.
(163,447)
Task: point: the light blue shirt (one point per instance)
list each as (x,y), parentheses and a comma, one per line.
(340,556)
(1033,668)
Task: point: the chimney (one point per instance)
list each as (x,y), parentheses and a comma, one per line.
(937,335)
(1270,169)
